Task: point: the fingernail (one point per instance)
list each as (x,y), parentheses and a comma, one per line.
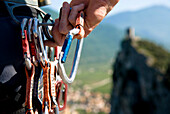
(64,4)
(82,4)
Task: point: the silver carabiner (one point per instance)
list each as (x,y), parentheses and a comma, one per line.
(61,68)
(63,55)
(25,44)
(42,55)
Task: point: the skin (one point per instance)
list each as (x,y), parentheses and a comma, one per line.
(94,11)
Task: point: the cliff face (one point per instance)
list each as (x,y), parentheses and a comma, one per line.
(138,87)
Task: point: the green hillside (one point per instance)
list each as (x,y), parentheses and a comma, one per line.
(102,44)
(158,57)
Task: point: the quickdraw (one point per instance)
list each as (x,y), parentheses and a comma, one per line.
(61,93)
(48,66)
(65,49)
(29,89)
(46,105)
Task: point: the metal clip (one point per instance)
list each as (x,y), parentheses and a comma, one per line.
(29,89)
(61,89)
(25,45)
(42,55)
(32,43)
(46,105)
(63,55)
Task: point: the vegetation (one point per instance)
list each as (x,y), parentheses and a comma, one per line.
(93,74)
(160,55)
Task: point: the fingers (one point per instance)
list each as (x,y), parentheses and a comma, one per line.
(77,2)
(58,37)
(74,12)
(64,25)
(61,28)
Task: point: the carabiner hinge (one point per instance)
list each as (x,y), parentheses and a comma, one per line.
(78,32)
(80,25)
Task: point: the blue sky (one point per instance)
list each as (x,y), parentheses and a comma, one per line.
(123,5)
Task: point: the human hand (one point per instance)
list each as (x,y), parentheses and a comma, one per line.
(63,26)
(95,11)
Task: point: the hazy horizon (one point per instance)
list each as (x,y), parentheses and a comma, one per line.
(123,5)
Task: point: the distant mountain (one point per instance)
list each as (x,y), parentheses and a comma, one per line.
(151,23)
(102,44)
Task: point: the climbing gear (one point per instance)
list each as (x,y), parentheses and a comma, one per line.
(29,89)
(44,2)
(63,55)
(30,2)
(47,64)
(61,89)
(10,6)
(46,105)
(25,45)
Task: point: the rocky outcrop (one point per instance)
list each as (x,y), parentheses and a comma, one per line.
(138,87)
